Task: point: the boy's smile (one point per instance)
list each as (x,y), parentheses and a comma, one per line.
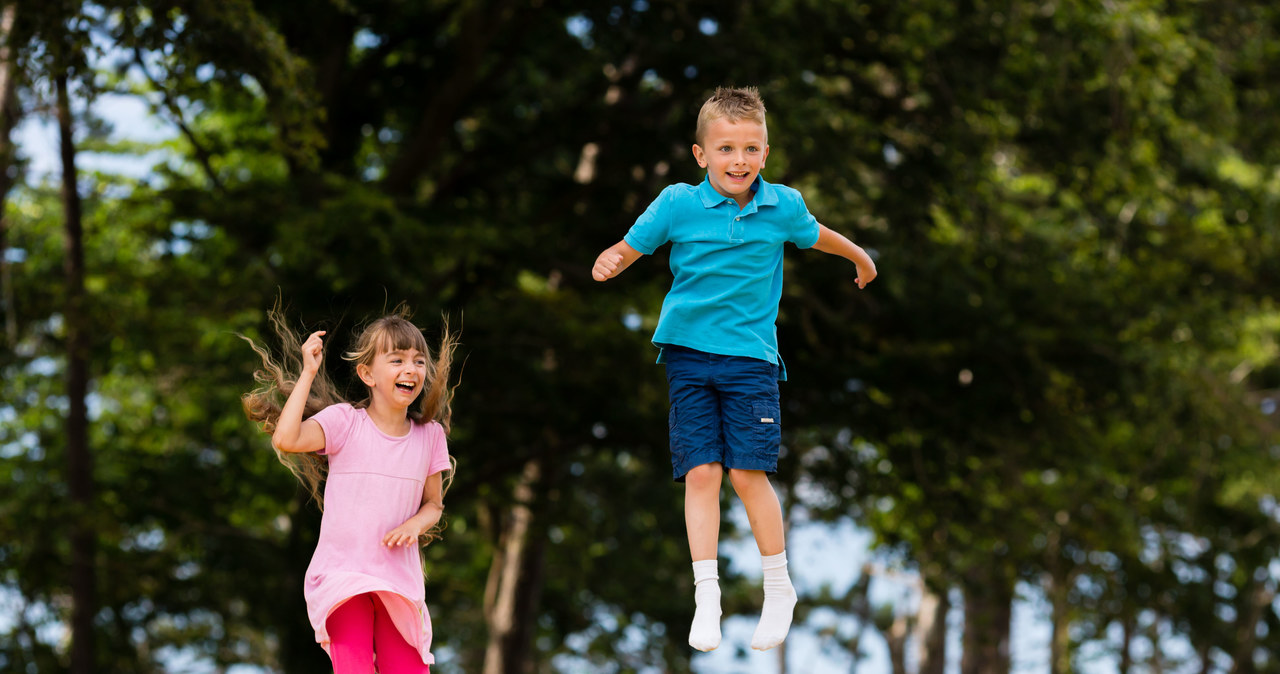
(733,152)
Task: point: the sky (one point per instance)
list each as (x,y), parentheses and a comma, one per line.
(37,138)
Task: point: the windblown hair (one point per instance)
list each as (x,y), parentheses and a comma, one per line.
(276,380)
(734,105)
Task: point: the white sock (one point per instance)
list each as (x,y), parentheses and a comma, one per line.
(779,600)
(704,633)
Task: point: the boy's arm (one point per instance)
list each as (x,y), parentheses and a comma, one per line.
(835,243)
(613,260)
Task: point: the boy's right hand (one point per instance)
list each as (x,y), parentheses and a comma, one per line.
(866,273)
(313,352)
(606,266)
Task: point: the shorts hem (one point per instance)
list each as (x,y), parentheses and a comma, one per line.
(761,465)
(690,462)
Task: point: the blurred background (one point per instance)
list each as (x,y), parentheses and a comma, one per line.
(1044,440)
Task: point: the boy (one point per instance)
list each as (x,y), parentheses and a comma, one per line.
(717,337)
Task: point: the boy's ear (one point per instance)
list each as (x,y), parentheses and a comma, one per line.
(699,155)
(365,374)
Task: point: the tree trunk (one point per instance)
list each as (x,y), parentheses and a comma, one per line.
(518,647)
(79,459)
(8,120)
(1060,641)
(932,630)
(1128,625)
(1058,588)
(514,579)
(988,606)
(896,636)
(1253,604)
(860,609)
(478,28)
(1155,665)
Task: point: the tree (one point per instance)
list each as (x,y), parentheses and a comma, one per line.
(8,119)
(1072,210)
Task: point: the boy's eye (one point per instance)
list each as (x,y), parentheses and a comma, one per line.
(724,148)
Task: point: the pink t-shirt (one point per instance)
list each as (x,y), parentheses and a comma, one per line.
(374,484)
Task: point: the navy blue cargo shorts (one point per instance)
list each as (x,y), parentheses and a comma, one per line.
(723,409)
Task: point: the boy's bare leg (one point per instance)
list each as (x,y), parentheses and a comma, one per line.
(702,520)
(763,510)
(765,514)
(702,510)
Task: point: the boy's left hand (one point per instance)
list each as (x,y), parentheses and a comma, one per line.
(866,274)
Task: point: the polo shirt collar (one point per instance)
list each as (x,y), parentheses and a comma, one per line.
(765,194)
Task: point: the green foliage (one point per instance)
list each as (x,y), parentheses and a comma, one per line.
(1057,375)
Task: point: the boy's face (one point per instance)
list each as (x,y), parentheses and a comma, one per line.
(733,154)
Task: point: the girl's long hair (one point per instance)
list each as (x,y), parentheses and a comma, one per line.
(276,380)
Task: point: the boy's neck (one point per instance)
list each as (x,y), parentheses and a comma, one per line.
(742,200)
(394,422)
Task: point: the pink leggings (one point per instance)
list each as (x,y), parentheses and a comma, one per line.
(361,627)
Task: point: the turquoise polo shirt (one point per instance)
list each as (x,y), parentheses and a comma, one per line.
(727,264)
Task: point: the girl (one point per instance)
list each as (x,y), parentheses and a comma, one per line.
(382,461)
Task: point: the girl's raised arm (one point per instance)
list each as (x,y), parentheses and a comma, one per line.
(292,434)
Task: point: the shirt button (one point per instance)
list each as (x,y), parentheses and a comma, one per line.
(737,218)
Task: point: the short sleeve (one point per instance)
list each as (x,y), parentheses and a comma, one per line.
(336,422)
(804,229)
(438,448)
(653,227)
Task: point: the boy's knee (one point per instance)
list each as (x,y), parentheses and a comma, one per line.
(747,479)
(706,476)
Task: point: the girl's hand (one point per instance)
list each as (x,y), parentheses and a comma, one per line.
(313,352)
(404,535)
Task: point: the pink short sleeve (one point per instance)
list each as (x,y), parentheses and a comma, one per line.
(439,450)
(336,422)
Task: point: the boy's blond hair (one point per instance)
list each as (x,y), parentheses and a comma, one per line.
(734,104)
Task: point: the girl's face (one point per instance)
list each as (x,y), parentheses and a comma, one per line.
(395,377)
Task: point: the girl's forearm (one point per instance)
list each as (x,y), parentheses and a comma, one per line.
(427,516)
(289,425)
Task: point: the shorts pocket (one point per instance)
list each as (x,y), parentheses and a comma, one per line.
(766,424)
